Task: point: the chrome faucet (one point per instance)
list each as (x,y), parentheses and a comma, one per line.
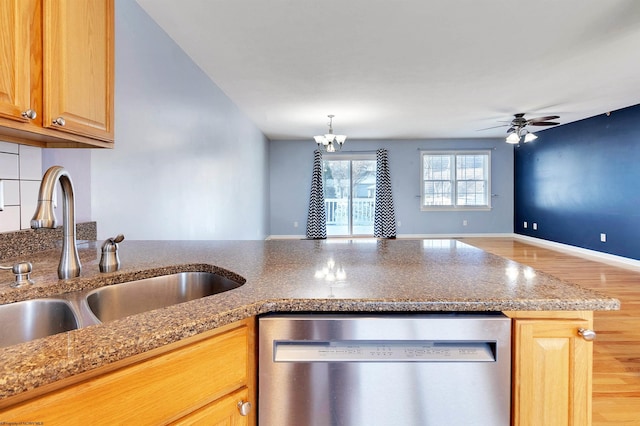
(45,217)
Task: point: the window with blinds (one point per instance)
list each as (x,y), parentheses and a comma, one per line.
(455,180)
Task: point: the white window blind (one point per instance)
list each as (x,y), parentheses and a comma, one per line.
(455,180)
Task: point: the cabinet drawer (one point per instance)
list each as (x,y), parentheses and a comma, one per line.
(222,412)
(152,392)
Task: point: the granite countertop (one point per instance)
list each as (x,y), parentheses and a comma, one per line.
(344,275)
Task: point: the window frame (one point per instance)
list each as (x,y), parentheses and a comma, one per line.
(454,180)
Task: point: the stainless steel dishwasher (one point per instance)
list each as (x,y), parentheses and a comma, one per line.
(384,370)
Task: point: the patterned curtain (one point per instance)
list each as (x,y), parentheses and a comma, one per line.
(384,219)
(316,218)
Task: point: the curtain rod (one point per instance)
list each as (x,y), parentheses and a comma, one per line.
(457,149)
(353,152)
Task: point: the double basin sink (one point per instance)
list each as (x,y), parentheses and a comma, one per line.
(32,319)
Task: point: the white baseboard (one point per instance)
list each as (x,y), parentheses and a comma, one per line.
(445,236)
(286,237)
(399,236)
(579,251)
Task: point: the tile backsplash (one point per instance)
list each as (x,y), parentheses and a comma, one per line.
(20,176)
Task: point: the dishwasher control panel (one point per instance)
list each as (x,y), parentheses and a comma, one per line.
(383,351)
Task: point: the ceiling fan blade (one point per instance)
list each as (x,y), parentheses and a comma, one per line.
(547,118)
(544,123)
(494,127)
(511,130)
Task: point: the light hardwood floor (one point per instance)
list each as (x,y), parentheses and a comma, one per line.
(616,352)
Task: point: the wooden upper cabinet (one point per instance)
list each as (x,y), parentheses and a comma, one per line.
(14,59)
(78,67)
(57,72)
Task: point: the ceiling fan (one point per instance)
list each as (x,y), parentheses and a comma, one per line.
(517,127)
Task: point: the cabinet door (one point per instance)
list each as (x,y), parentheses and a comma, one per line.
(552,373)
(223,412)
(78,67)
(14,58)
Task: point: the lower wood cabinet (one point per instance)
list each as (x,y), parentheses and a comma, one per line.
(222,412)
(552,368)
(197,382)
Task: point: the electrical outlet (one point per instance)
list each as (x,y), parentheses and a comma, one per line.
(465,223)
(526,225)
(399,224)
(535,226)
(603,238)
(295,224)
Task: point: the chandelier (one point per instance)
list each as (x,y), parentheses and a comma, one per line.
(330,142)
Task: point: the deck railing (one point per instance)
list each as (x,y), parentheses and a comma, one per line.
(337,210)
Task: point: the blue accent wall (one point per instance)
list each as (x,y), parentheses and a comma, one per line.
(580,180)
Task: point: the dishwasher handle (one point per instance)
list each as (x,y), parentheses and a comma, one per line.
(383,351)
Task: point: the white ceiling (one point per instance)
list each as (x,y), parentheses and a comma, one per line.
(410,68)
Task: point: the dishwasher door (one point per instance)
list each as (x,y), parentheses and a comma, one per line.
(384,370)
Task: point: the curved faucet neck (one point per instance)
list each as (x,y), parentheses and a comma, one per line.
(44,217)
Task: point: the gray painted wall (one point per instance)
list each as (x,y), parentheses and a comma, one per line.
(78,164)
(291,162)
(187,163)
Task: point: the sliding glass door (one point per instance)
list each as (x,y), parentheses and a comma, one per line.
(349,184)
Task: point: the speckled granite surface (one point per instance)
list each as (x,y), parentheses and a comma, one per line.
(279,275)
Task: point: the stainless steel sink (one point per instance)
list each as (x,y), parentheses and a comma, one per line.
(28,320)
(32,319)
(134,297)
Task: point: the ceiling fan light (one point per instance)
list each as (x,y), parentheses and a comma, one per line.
(330,137)
(513,138)
(319,139)
(340,139)
(529,137)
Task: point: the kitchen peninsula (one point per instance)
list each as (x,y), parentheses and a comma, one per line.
(360,275)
